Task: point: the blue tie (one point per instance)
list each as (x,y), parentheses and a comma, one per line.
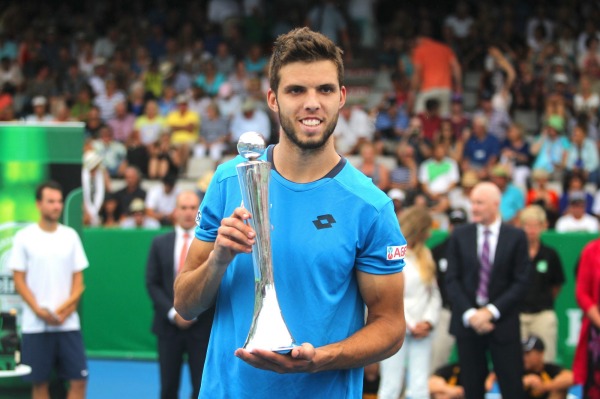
(486,268)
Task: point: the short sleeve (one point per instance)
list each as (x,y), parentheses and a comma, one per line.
(384,247)
(80,260)
(210,213)
(17,260)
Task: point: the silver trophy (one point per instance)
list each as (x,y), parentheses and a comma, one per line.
(268,330)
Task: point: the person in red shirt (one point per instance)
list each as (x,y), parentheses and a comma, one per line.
(586,365)
(430,119)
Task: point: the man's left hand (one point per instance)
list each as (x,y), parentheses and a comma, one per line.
(299,360)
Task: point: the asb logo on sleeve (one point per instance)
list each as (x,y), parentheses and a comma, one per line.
(396,252)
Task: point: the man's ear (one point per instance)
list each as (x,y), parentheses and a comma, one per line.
(272,101)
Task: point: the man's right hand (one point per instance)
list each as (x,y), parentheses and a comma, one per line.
(233,237)
(48,317)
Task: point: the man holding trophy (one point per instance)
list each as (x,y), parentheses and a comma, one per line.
(330,234)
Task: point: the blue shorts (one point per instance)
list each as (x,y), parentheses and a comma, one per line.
(62,351)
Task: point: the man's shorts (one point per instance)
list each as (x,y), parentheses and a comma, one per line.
(62,351)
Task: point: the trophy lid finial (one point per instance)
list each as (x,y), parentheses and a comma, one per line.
(251,145)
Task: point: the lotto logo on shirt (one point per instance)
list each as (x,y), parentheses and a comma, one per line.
(396,252)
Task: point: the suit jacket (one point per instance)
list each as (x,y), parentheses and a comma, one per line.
(160,276)
(510,276)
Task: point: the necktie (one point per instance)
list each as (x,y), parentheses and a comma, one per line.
(485,269)
(183,253)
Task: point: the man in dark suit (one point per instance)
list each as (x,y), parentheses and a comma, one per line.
(176,336)
(487,278)
(443,341)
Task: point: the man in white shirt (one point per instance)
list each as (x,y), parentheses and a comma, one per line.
(576,219)
(47,260)
(162,199)
(138,219)
(353,128)
(250,119)
(39,104)
(438,174)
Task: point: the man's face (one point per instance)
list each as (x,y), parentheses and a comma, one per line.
(138,218)
(415,125)
(479,128)
(186,210)
(105,135)
(484,207)
(308,102)
(439,152)
(486,105)
(168,188)
(577,209)
(131,178)
(39,109)
(533,360)
(121,110)
(151,109)
(50,205)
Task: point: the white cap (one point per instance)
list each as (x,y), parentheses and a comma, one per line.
(38,100)
(561,78)
(91,159)
(396,194)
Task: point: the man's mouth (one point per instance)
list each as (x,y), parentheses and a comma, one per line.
(312,122)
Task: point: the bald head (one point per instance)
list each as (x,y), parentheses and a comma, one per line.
(186,209)
(485,203)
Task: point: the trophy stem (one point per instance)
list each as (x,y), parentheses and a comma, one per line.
(268,330)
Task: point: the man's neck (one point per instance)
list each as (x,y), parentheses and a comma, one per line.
(48,226)
(304,166)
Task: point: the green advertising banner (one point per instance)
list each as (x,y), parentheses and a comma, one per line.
(116,294)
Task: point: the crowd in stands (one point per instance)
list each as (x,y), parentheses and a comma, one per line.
(470,92)
(457,93)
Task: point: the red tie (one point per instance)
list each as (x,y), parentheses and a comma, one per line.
(183,253)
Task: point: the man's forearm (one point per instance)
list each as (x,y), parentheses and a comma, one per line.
(196,290)
(560,383)
(379,339)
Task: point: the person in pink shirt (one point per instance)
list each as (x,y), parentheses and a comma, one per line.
(123,122)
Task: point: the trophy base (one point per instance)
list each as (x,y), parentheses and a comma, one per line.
(283,350)
(268,330)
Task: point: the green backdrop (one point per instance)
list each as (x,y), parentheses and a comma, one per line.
(117,312)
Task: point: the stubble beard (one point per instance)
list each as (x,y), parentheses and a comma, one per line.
(308,145)
(50,218)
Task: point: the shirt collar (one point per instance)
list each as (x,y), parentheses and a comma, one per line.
(179,231)
(494,227)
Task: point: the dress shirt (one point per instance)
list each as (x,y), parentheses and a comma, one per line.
(494,229)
